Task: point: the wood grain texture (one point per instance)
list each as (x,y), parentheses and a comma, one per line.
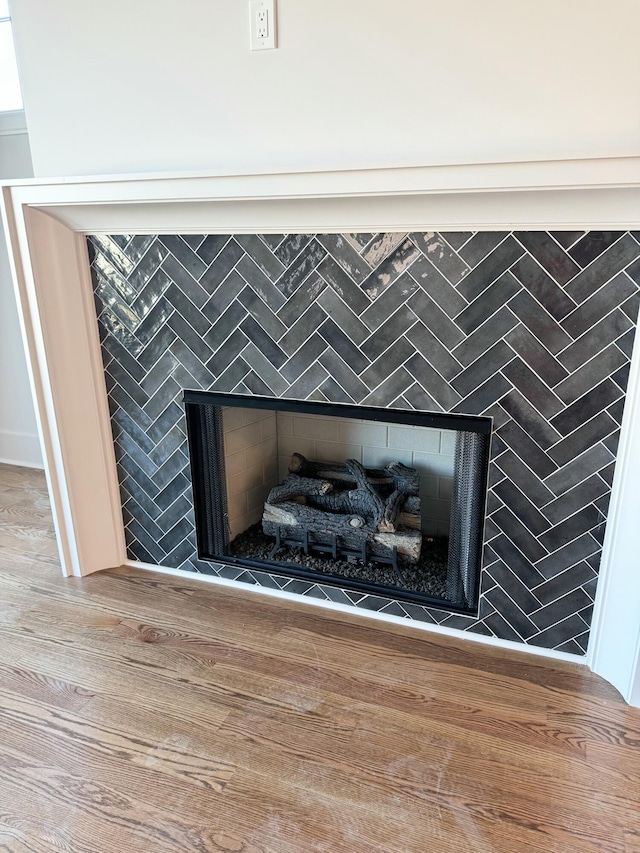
(141,712)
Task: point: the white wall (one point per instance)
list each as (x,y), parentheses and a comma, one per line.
(18,437)
(163,85)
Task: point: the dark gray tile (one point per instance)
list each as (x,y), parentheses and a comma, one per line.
(434,352)
(611,262)
(302,300)
(343,345)
(564,583)
(191,363)
(261,255)
(591,311)
(168,391)
(300,268)
(575,499)
(335,276)
(262,368)
(490,269)
(479,245)
(611,327)
(457,239)
(437,286)
(263,342)
(544,288)
(172,491)
(262,284)
(525,479)
(593,244)
(308,322)
(526,512)
(388,390)
(150,546)
(594,371)
(189,336)
(489,301)
(187,310)
(262,314)
(560,633)
(510,611)
(586,407)
(224,296)
(579,469)
(289,247)
(533,388)
(335,393)
(569,529)
(226,354)
(307,383)
(500,628)
(390,269)
(485,396)
(483,367)
(521,537)
(539,359)
(392,298)
(484,336)
(568,555)
(440,255)
(539,322)
(232,376)
(342,314)
(528,451)
(621,376)
(616,411)
(345,256)
(184,281)
(420,400)
(304,357)
(184,254)
(631,306)
(529,419)
(389,361)
(432,316)
(210,247)
(567,238)
(549,254)
(388,333)
(560,609)
(431,381)
(344,376)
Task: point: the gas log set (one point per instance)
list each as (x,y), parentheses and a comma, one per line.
(347,511)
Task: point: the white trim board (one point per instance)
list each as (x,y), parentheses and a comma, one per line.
(45,222)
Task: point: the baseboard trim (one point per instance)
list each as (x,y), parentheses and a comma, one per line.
(20,448)
(508,645)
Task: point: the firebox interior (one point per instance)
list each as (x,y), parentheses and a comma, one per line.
(381,500)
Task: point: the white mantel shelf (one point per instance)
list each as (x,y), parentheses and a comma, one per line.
(46,221)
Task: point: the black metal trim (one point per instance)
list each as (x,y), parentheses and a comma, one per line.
(343,582)
(413,417)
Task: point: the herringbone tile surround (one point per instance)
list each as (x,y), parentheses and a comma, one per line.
(532,328)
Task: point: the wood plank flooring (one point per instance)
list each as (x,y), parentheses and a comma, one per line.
(140,712)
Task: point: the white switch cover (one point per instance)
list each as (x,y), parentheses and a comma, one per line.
(263,24)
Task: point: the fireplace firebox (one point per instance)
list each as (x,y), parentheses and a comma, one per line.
(384,501)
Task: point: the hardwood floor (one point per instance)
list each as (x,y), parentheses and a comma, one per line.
(140,712)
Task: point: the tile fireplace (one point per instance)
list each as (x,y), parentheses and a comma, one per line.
(533,330)
(550,211)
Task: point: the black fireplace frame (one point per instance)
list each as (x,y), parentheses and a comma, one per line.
(210,508)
